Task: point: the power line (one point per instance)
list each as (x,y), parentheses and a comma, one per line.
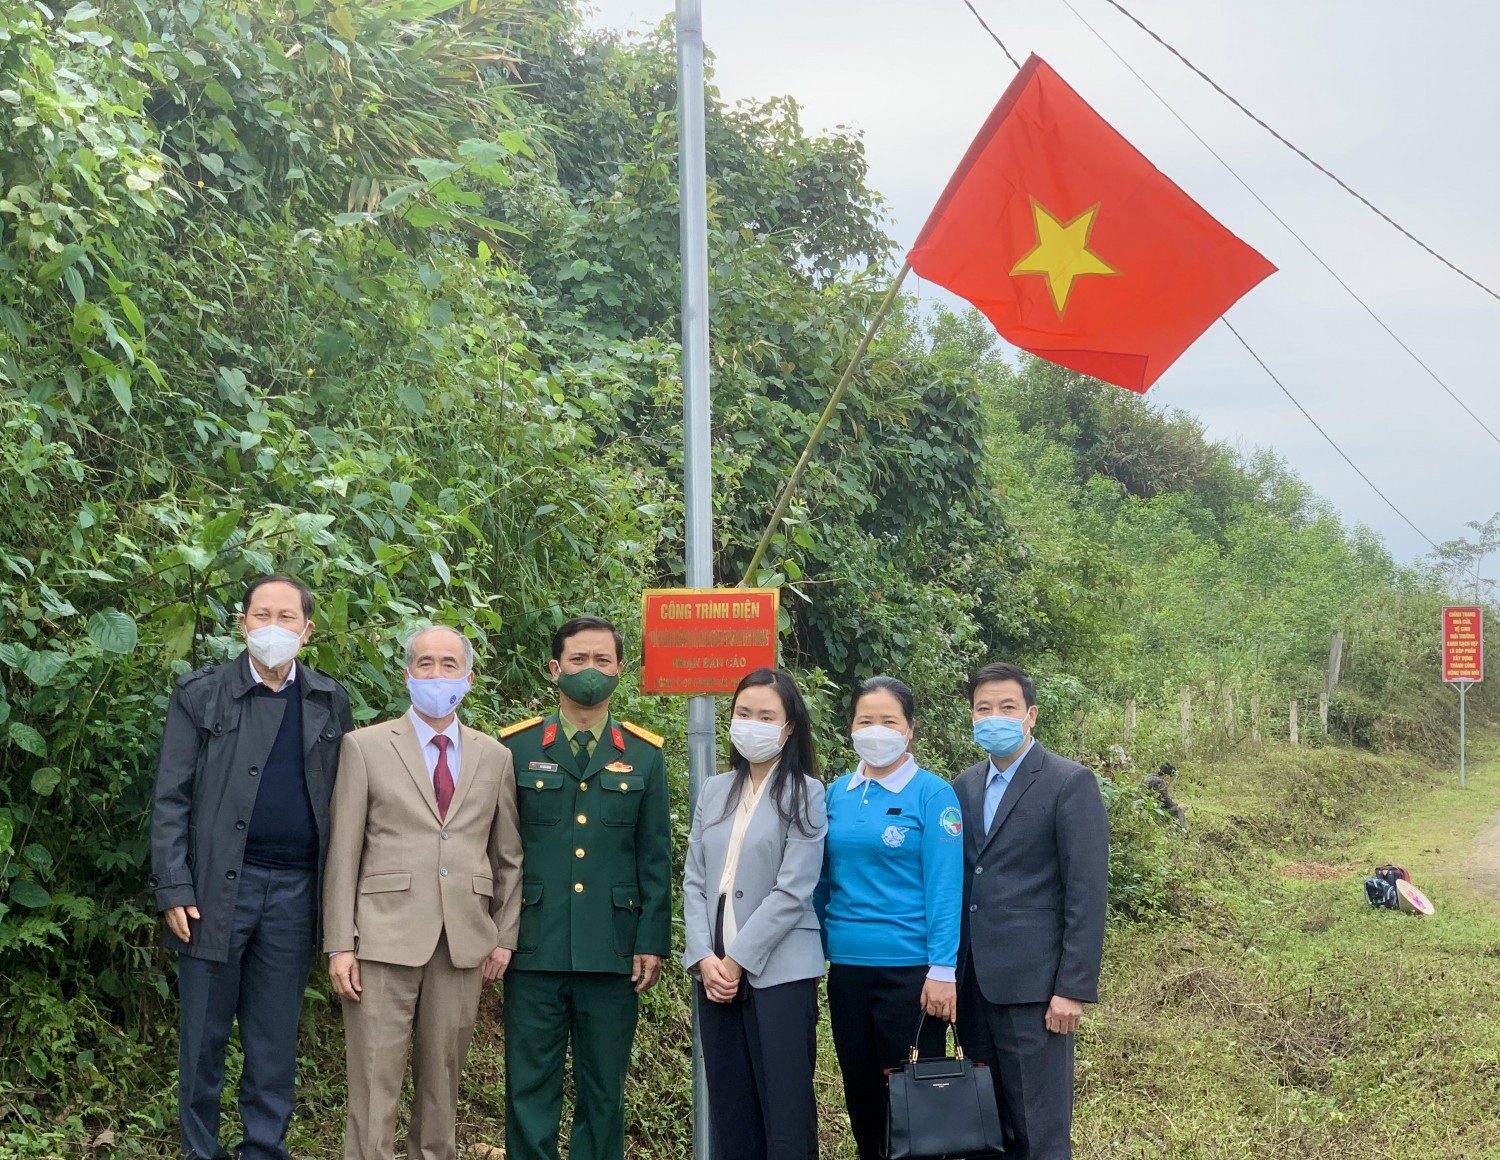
(993,36)
(1325,434)
(1324,170)
(1368,309)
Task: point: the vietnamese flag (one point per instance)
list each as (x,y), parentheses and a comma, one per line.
(1076,247)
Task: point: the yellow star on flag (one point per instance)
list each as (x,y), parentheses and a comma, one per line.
(1062,252)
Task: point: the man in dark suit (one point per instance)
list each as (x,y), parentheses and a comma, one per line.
(239,836)
(1036,869)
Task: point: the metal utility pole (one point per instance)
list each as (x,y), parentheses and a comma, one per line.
(1463,725)
(698,524)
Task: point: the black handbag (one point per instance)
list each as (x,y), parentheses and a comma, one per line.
(942,1109)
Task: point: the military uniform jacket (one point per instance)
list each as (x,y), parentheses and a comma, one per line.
(597,848)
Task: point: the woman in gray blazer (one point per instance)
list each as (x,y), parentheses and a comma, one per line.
(753,861)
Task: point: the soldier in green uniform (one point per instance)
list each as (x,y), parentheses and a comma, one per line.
(596,912)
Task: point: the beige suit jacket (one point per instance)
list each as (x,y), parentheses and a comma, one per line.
(398,877)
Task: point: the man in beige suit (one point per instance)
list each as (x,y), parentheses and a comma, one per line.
(422,900)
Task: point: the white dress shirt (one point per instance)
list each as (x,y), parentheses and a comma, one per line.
(425,733)
(291,675)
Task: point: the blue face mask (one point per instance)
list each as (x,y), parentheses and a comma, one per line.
(436,696)
(1000,736)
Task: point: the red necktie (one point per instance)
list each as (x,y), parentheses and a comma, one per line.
(442,776)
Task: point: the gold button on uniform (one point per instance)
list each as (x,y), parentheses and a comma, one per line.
(540,783)
(578,888)
(578,853)
(582,818)
(583,785)
(624,785)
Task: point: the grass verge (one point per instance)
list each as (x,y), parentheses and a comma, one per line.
(1279,1015)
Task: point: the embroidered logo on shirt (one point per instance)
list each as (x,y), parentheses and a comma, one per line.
(952,821)
(894,836)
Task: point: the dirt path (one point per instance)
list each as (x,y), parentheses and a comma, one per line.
(1484,860)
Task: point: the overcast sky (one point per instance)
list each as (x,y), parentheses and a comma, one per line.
(1398,99)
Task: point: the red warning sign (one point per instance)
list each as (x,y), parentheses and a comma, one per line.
(701,641)
(1463,644)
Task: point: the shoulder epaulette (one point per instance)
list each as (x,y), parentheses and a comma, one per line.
(645,735)
(511,730)
(196,674)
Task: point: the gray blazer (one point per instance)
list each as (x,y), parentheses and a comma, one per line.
(1037,883)
(778,939)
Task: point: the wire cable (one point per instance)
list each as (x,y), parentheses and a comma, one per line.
(1325,434)
(1323,169)
(1368,309)
(1014,63)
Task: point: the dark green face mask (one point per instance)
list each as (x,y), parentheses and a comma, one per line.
(587,686)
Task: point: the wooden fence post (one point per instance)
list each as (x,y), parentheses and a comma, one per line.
(1323,710)
(1130,717)
(1229,712)
(1255,718)
(1291,723)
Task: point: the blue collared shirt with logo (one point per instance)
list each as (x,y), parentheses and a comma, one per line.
(892,889)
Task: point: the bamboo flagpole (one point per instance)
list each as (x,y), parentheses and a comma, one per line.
(834,400)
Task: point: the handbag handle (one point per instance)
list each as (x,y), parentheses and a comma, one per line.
(916,1038)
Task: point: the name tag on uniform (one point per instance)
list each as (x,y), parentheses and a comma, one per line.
(544,766)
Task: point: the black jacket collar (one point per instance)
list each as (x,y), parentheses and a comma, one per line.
(242,680)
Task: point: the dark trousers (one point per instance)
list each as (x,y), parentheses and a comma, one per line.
(260,984)
(873,1012)
(1032,1070)
(543,1011)
(759,1055)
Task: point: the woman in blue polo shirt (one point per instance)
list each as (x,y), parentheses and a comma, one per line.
(889,901)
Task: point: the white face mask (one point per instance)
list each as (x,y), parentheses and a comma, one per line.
(436,696)
(756,740)
(879,746)
(273,646)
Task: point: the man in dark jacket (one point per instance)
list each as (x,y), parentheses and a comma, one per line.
(239,829)
(1036,855)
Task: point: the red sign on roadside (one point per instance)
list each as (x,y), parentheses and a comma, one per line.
(1463,644)
(700,641)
